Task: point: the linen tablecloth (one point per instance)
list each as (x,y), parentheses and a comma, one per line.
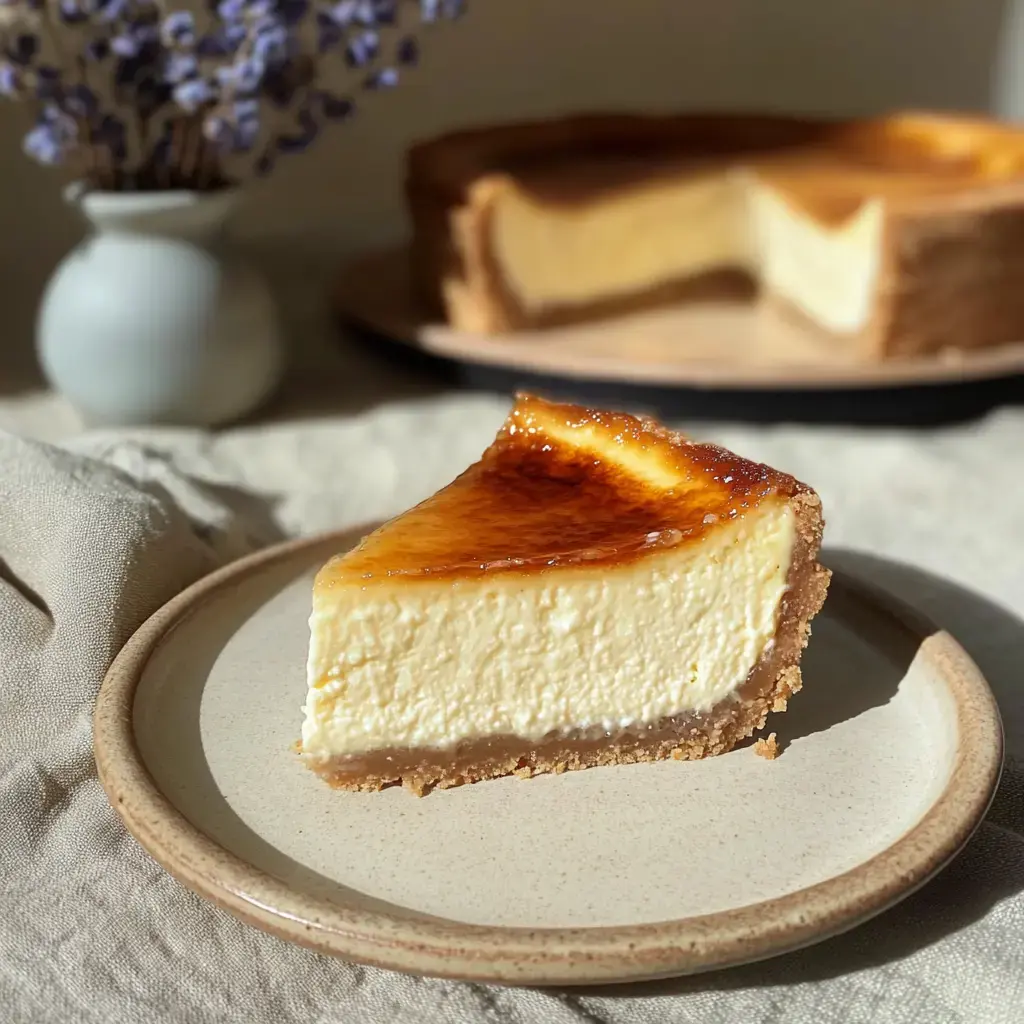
(97,532)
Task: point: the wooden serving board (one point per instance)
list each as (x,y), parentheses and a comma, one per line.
(725,343)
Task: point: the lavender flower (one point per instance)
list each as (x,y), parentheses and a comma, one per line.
(12,80)
(233,10)
(222,42)
(180,67)
(385,12)
(362,49)
(244,76)
(341,14)
(363,12)
(73,12)
(367,13)
(246,117)
(198,98)
(375,12)
(44,146)
(272,43)
(259,10)
(111,11)
(179,30)
(53,137)
(385,78)
(195,93)
(235,127)
(134,40)
(438,10)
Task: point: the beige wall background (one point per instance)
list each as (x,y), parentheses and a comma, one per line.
(514,58)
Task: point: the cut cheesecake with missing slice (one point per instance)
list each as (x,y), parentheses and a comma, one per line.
(890,237)
(596,590)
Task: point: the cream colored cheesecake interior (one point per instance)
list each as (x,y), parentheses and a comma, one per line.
(430,663)
(829,273)
(556,254)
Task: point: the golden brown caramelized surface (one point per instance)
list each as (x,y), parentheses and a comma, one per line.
(961,147)
(826,167)
(565,486)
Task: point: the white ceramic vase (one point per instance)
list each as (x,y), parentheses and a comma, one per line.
(152,319)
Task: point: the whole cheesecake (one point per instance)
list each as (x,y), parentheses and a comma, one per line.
(896,236)
(596,590)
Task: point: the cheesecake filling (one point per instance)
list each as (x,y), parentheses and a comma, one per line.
(828,273)
(421,664)
(555,255)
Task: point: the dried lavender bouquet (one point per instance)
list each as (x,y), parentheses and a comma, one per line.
(136,95)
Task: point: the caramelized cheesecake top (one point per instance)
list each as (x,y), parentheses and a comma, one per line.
(828,168)
(565,486)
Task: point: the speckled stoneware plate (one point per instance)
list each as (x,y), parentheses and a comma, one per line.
(892,752)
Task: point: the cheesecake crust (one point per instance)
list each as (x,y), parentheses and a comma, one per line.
(768,747)
(688,736)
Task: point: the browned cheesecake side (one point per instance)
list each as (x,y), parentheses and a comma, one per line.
(950,278)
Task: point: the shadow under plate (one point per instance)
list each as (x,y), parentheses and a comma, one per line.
(912,406)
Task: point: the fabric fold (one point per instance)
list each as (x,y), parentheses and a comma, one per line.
(96,536)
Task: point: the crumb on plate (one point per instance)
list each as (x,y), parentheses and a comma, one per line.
(768,748)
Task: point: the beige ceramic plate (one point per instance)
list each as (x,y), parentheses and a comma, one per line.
(710,344)
(892,754)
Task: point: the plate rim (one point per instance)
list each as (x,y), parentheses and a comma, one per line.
(518,955)
(360,281)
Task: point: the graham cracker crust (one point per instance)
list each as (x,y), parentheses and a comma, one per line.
(689,736)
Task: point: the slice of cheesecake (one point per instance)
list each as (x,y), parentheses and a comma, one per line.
(595,590)
(895,236)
